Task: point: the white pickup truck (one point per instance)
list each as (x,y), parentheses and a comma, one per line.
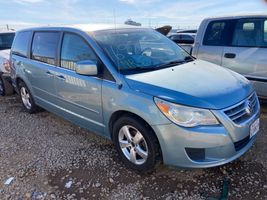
(238,43)
(6,39)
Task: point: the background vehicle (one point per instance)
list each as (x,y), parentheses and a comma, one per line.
(238,43)
(187,31)
(138,88)
(6,39)
(185,40)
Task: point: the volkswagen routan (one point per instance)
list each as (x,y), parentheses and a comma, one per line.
(138,88)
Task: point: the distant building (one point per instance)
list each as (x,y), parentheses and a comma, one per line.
(133,23)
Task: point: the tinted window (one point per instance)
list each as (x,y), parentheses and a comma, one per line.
(75,49)
(175,37)
(20,46)
(250,33)
(6,40)
(214,35)
(187,37)
(44,47)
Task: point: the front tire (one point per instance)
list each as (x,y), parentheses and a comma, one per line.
(27,99)
(136,144)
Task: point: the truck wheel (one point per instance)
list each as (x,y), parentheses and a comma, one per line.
(136,144)
(5,87)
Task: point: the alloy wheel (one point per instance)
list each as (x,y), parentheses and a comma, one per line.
(133,145)
(26,98)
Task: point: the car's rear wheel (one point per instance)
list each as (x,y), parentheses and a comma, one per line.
(27,99)
(136,144)
(5,87)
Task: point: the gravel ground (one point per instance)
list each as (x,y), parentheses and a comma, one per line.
(50,158)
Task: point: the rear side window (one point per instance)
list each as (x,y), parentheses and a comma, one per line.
(250,33)
(216,34)
(44,47)
(75,49)
(20,45)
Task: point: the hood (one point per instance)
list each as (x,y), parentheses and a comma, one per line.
(5,54)
(197,84)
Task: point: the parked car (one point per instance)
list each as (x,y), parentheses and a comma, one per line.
(6,39)
(172,31)
(187,31)
(135,86)
(184,40)
(238,43)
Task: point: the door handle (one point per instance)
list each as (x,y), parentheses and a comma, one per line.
(61,77)
(49,73)
(230,55)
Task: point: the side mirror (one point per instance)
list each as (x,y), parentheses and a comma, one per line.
(86,67)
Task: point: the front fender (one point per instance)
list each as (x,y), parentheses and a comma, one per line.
(125,99)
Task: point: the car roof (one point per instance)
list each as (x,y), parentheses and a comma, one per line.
(240,16)
(84,27)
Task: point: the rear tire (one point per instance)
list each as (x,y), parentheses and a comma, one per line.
(6,88)
(27,99)
(136,144)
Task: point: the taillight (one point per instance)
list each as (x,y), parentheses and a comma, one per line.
(7,65)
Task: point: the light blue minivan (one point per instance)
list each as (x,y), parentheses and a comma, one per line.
(138,88)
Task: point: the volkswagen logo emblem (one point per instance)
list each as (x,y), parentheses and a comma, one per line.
(248,107)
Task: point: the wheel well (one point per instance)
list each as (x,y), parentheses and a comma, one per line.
(115,116)
(18,81)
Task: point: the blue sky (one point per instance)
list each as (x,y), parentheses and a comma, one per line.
(183,13)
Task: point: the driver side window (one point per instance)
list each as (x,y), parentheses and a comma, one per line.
(74,49)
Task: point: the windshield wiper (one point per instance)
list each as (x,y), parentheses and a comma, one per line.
(138,69)
(171,64)
(176,62)
(189,58)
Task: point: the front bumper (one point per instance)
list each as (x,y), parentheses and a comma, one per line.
(203,147)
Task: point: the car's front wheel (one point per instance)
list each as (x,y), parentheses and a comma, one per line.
(136,143)
(27,99)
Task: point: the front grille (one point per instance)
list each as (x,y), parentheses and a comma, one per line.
(242,143)
(244,110)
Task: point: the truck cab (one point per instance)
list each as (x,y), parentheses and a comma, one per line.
(238,43)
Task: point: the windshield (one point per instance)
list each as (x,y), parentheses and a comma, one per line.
(137,50)
(6,40)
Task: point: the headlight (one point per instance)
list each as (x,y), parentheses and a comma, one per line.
(186,116)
